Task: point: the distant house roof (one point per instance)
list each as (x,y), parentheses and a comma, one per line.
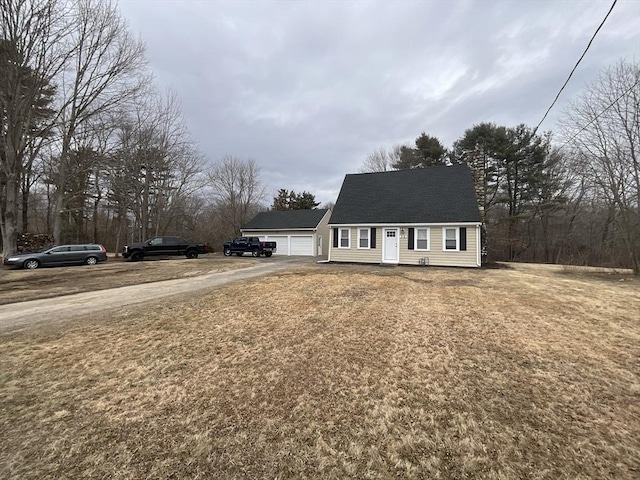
(286,220)
(422,195)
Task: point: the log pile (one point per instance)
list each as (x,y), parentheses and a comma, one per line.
(33,242)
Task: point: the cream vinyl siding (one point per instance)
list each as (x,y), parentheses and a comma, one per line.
(435,255)
(323,231)
(355,254)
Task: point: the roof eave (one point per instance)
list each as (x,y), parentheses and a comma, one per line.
(403,224)
(277,229)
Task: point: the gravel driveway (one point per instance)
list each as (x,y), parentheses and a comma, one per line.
(16,316)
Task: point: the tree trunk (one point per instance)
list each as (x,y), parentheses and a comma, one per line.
(94,236)
(49,209)
(58,207)
(25,203)
(9,216)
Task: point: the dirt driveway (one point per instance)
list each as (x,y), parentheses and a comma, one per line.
(52,294)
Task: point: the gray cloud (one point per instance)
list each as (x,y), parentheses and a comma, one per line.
(309,88)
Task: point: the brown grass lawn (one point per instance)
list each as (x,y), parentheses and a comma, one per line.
(18,285)
(338,372)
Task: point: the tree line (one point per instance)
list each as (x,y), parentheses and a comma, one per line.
(87,143)
(569,197)
(90,150)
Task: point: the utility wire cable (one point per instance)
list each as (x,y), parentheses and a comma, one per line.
(598,115)
(576,66)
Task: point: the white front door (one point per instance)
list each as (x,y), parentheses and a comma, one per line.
(390,247)
(319,245)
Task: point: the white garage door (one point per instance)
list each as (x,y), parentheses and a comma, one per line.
(282,244)
(302,245)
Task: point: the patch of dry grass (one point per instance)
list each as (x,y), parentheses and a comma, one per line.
(17,285)
(337,372)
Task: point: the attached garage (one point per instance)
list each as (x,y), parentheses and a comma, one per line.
(282,243)
(296,232)
(302,245)
(291,244)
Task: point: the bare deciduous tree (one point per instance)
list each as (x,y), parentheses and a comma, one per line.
(104,72)
(603,127)
(31,35)
(382,159)
(81,128)
(155,167)
(237,191)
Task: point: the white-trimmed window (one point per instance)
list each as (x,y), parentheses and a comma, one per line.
(364,240)
(422,239)
(344,238)
(451,239)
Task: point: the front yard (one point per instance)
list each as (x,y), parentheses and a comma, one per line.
(338,372)
(19,285)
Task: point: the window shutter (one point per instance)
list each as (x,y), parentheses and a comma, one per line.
(463,238)
(373,238)
(411,234)
(335,238)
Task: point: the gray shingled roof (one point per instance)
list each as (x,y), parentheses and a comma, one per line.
(422,195)
(286,220)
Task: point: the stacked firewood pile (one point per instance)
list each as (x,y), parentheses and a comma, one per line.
(33,242)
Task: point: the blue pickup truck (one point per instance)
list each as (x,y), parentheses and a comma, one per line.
(253,245)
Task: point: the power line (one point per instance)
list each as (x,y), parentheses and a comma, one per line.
(598,115)
(576,66)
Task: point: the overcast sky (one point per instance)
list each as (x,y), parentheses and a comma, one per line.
(309,88)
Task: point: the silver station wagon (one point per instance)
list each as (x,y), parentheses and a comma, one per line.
(86,254)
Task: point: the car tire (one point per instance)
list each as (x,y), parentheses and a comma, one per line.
(268,254)
(227,252)
(31,264)
(136,256)
(255,253)
(192,254)
(91,260)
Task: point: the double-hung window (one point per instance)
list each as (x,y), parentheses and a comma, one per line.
(451,239)
(422,239)
(345,238)
(363,238)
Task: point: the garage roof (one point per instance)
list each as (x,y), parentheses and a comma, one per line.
(286,220)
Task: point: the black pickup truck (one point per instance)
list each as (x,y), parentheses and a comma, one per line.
(257,247)
(158,246)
